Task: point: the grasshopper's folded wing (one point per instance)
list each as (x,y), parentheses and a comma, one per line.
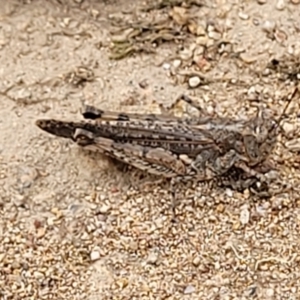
(156,161)
(177,138)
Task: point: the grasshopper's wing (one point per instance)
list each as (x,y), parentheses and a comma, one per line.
(156,161)
(153,130)
(177,138)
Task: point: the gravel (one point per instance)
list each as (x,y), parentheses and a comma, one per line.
(70,225)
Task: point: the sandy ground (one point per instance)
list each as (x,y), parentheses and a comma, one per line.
(68,228)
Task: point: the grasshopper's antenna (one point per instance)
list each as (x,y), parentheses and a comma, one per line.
(276,124)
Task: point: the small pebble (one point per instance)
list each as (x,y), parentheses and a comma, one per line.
(95,255)
(187,53)
(40,232)
(152,258)
(290,50)
(2,256)
(255,21)
(74,208)
(268,26)
(243,16)
(23,93)
(85,236)
(220,208)
(269,292)
(200,30)
(229,192)
(38,275)
(194,81)
(245,215)
(196,261)
(214,35)
(176,63)
(261,1)
(260,211)
(236,225)
(293,145)
(280,5)
(248,59)
(104,209)
(166,66)
(202,40)
(280,36)
(189,289)
(288,128)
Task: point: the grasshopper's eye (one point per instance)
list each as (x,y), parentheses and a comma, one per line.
(257,130)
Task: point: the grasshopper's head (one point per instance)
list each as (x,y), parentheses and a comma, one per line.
(261,137)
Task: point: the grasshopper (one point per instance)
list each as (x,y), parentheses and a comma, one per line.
(180,149)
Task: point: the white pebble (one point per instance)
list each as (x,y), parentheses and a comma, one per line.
(202,40)
(243,16)
(194,81)
(85,236)
(214,35)
(210,109)
(189,289)
(290,50)
(95,255)
(166,66)
(293,145)
(152,258)
(269,292)
(196,261)
(261,211)
(268,26)
(104,209)
(251,90)
(38,275)
(176,63)
(280,5)
(229,192)
(245,215)
(288,128)
(200,30)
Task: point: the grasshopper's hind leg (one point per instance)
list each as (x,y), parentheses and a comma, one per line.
(202,112)
(189,101)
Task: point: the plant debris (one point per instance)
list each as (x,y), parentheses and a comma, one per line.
(146,35)
(172,3)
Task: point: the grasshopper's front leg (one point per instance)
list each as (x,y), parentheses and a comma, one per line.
(217,166)
(216,163)
(223,164)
